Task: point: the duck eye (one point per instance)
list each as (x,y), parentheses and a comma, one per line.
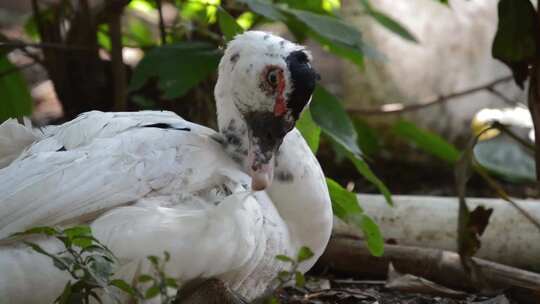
(272,77)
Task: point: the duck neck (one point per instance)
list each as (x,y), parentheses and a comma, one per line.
(300,195)
(298,191)
(233,127)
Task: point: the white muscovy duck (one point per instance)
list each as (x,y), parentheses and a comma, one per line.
(149,182)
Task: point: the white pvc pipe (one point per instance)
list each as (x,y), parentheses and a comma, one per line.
(428,221)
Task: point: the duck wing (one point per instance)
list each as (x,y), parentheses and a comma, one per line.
(100,161)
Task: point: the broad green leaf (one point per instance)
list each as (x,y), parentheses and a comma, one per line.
(177,67)
(310,130)
(284,258)
(355,55)
(229,27)
(154,260)
(170,282)
(330,115)
(246,20)
(145,278)
(344,203)
(151,292)
(15,99)
(427,141)
(299,279)
(138,33)
(304,253)
(50,231)
(101,268)
(372,233)
(328,27)
(346,207)
(78,231)
(516,41)
(125,287)
(387,21)
(315,6)
(265,9)
(506,158)
(368,139)
(366,172)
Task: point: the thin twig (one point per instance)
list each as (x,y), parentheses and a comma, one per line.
(514,136)
(501,96)
(162,31)
(498,188)
(16,68)
(44,45)
(395,108)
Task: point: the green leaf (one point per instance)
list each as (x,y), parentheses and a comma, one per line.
(78,231)
(284,258)
(145,278)
(506,159)
(387,22)
(154,260)
(50,231)
(346,207)
(15,99)
(368,139)
(65,296)
(330,115)
(151,292)
(310,130)
(178,67)
(284,275)
(299,279)
(427,141)
(228,25)
(372,234)
(328,27)
(265,9)
(125,287)
(138,33)
(304,254)
(170,282)
(516,42)
(101,268)
(366,172)
(344,203)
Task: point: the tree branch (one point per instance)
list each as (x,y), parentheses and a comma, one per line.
(162,31)
(118,69)
(398,108)
(44,45)
(352,257)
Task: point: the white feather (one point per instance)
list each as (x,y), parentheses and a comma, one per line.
(150,182)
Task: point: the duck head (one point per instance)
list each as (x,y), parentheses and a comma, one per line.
(264,84)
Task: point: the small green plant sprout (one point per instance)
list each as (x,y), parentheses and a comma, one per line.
(160,283)
(88,262)
(293,275)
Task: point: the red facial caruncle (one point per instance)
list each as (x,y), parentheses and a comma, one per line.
(274,84)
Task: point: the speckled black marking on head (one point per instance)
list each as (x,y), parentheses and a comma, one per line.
(165,126)
(284,176)
(282,44)
(235,57)
(303,78)
(269,130)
